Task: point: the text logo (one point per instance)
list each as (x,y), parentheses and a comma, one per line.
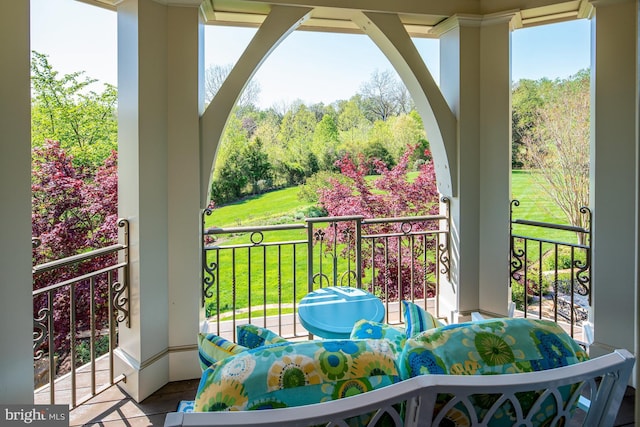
(35,415)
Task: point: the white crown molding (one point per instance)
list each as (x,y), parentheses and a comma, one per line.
(459,20)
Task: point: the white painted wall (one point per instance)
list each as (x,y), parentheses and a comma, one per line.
(16,304)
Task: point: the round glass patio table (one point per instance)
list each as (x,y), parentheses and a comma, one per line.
(331,312)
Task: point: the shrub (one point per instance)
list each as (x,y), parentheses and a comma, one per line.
(390,195)
(72,211)
(310,190)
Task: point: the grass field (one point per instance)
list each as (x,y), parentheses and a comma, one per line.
(536,205)
(275,207)
(284,207)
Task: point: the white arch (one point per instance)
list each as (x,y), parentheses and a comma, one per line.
(388,33)
(280,22)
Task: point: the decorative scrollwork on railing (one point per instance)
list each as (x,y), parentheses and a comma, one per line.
(121,302)
(347,277)
(40,331)
(406,227)
(571,312)
(257,237)
(443,247)
(209,275)
(517,254)
(120,289)
(443,256)
(517,263)
(206,212)
(319,278)
(583,278)
(209,279)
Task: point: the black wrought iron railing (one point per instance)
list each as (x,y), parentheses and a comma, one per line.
(79,303)
(550,276)
(256,274)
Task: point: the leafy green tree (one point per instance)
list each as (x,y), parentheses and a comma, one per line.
(296,134)
(231,179)
(326,142)
(526,99)
(353,126)
(407,131)
(377,151)
(558,148)
(64,108)
(268,130)
(234,139)
(311,189)
(258,166)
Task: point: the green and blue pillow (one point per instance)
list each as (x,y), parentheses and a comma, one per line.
(252,336)
(213,348)
(417,319)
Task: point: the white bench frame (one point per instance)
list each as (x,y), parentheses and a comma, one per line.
(604,380)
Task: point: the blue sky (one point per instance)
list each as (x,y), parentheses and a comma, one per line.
(310,66)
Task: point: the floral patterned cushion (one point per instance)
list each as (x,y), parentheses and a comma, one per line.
(367,329)
(213,348)
(272,376)
(489,347)
(252,336)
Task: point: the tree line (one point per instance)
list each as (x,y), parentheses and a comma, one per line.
(272,148)
(262,149)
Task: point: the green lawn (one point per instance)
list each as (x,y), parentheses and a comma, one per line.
(283,207)
(536,205)
(275,207)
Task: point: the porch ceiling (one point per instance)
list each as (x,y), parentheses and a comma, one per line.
(418,17)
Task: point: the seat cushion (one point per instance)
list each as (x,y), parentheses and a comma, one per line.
(491,347)
(274,376)
(367,329)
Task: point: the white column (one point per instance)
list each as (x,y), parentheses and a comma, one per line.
(158,111)
(495,163)
(16,304)
(476,81)
(185,65)
(613,173)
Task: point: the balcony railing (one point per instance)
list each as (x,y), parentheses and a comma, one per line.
(78,303)
(550,276)
(254,273)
